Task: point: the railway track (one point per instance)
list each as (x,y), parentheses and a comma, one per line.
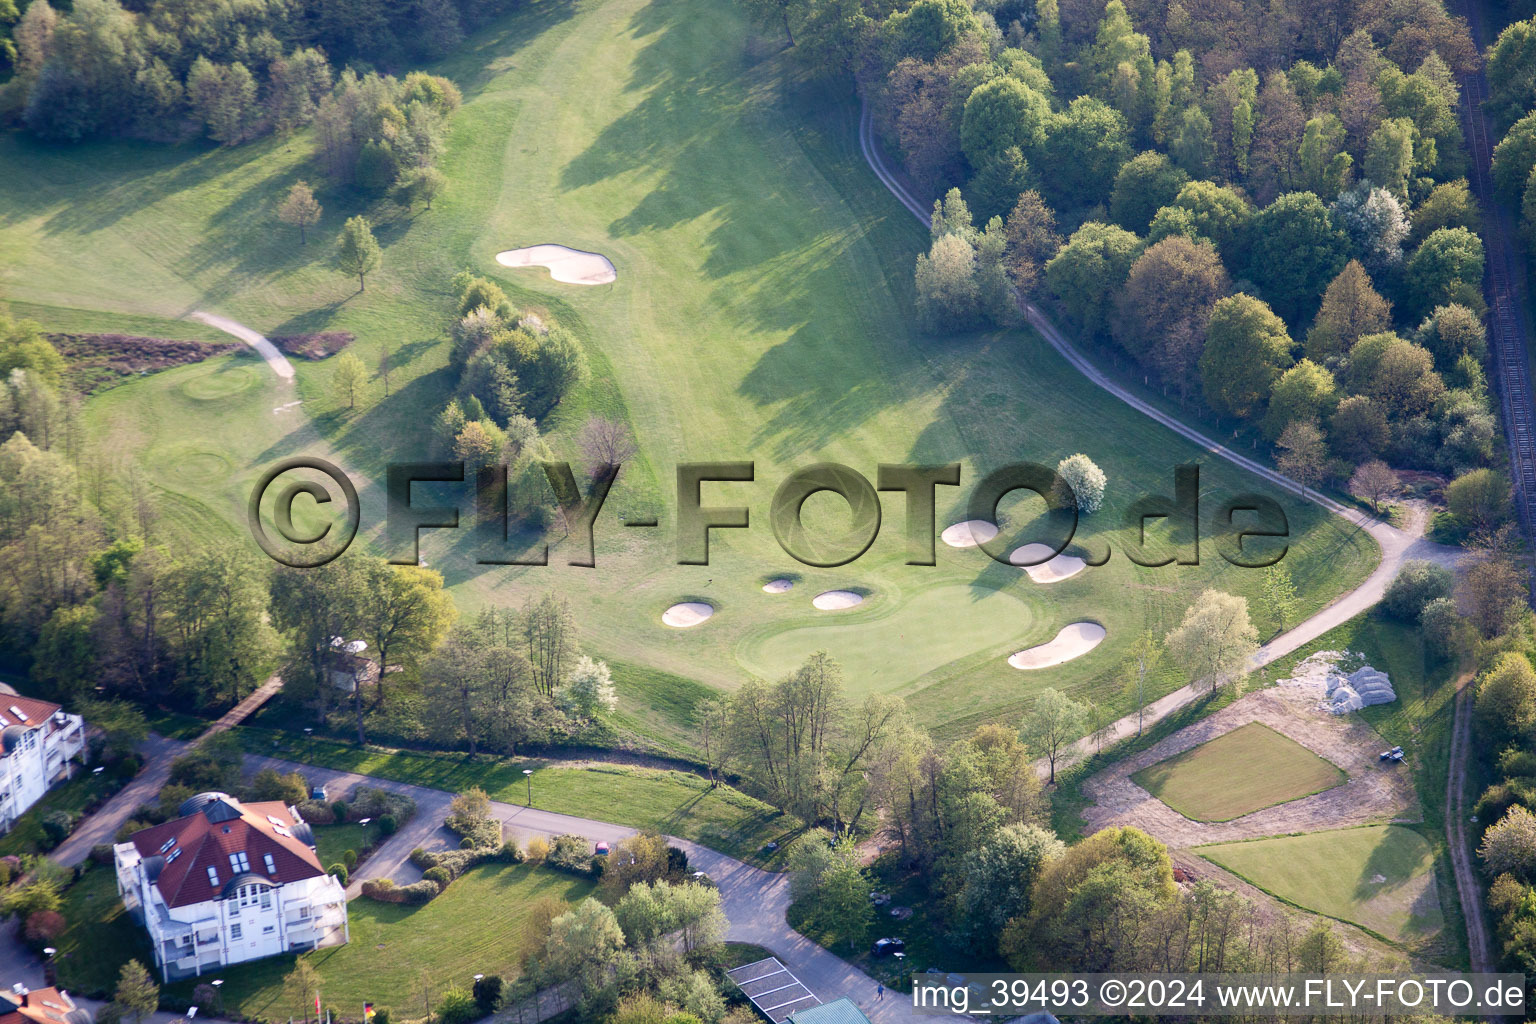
(1504,284)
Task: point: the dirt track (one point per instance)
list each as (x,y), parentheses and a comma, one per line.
(1372,793)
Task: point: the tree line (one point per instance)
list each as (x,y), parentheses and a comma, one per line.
(1263,207)
(162,70)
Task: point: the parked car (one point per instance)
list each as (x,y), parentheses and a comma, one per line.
(601,849)
(885,947)
(317,792)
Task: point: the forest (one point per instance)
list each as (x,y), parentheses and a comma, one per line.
(1262,208)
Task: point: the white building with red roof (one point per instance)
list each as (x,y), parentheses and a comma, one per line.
(229,882)
(38,741)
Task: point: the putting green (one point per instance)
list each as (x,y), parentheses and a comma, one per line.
(1245,770)
(1381,877)
(888,646)
(220,381)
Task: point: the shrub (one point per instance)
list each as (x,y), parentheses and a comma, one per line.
(1084,480)
(206,998)
(388,826)
(537,851)
(128,828)
(101,853)
(439,876)
(370,802)
(456,1006)
(510,853)
(340,871)
(317,812)
(349,858)
(44,926)
(570,853)
(466,843)
(270,784)
(385,891)
(487,993)
(1417,584)
(1440,624)
(381,1015)
(339,808)
(480,832)
(56,827)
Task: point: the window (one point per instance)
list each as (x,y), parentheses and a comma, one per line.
(303,913)
(213,876)
(234,933)
(266,899)
(269,929)
(239,862)
(271,864)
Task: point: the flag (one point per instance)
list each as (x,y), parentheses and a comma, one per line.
(367,1013)
(317,1004)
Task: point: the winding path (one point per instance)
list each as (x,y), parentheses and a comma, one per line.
(1397,546)
(268,351)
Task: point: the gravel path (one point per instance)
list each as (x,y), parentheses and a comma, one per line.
(268,351)
(1372,793)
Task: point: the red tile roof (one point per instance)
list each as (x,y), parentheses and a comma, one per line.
(36,712)
(39,1006)
(203,842)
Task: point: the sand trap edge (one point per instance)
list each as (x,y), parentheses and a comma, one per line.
(1072,641)
(687,614)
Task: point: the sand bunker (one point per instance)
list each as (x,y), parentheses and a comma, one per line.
(969,533)
(837,600)
(1054,570)
(572,266)
(689,613)
(777,586)
(1073,641)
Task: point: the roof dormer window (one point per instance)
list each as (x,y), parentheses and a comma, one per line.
(239,862)
(213,876)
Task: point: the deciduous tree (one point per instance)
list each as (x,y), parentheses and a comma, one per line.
(1215,640)
(300,209)
(1246,349)
(358,251)
(1053,725)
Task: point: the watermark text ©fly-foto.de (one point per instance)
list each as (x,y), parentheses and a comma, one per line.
(1250,529)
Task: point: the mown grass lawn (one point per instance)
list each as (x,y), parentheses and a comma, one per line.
(100,936)
(762,311)
(674,802)
(397,954)
(331,841)
(1237,773)
(1380,877)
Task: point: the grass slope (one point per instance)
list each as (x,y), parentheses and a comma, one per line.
(1380,877)
(1237,773)
(674,802)
(762,311)
(397,954)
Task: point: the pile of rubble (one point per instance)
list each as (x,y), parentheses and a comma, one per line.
(1337,692)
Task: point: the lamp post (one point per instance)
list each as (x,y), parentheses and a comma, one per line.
(309,732)
(218,993)
(49,976)
(528,774)
(901,967)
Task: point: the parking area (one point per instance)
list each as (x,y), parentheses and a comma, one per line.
(773,988)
